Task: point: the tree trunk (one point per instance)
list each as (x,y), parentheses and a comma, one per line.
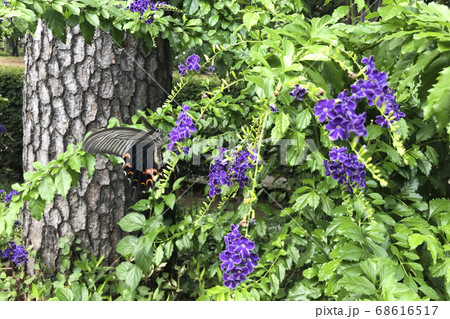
(69,90)
(15,47)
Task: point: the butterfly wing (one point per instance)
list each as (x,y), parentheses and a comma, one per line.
(140,150)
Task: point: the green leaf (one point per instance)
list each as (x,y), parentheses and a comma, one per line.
(47,188)
(439,205)
(92,18)
(438,101)
(89,161)
(425,133)
(327,270)
(37,207)
(75,163)
(143,253)
(130,273)
(64,294)
(170,200)
(132,222)
(415,240)
(357,284)
(281,126)
(373,132)
(303,292)
(343,225)
(432,155)
(126,245)
(250,19)
(159,254)
(350,251)
(177,183)
(303,119)
(56,23)
(63,182)
(390,11)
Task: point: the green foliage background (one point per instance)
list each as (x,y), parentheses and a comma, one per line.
(315,241)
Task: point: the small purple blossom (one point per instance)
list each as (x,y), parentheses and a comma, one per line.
(182,130)
(212,68)
(345,168)
(9,196)
(191,64)
(17,225)
(142,6)
(226,172)
(298,92)
(15,253)
(238,261)
(2,129)
(273,108)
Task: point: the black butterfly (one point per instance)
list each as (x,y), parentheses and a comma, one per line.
(140,150)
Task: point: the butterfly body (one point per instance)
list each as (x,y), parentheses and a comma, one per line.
(140,150)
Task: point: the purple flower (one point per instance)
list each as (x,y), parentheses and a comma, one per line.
(298,92)
(218,173)
(237,259)
(273,108)
(377,92)
(243,247)
(182,69)
(345,168)
(10,195)
(212,68)
(17,224)
(323,109)
(15,253)
(338,128)
(2,129)
(142,6)
(182,130)
(226,172)
(191,65)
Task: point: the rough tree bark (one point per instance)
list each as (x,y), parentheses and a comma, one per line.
(69,90)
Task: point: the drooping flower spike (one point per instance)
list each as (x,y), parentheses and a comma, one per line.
(15,253)
(182,130)
(227,171)
(345,168)
(340,113)
(238,260)
(142,6)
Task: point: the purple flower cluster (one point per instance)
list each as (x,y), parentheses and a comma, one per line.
(17,225)
(144,5)
(377,91)
(238,261)
(298,92)
(9,196)
(340,113)
(182,130)
(2,129)
(225,172)
(14,253)
(345,168)
(191,64)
